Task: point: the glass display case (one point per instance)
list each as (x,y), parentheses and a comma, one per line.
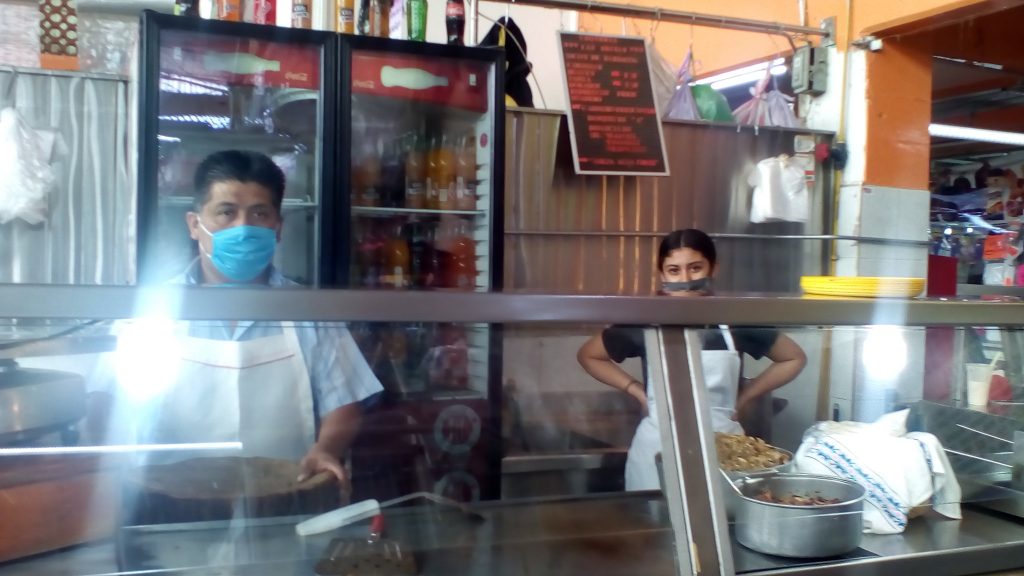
(888,388)
(208,86)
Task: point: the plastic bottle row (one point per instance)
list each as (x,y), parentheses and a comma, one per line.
(427,356)
(401,254)
(374,16)
(415,172)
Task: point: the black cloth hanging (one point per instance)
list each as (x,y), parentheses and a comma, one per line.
(517,68)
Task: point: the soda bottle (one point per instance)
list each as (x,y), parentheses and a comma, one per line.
(396,260)
(446,174)
(421,263)
(455,21)
(264,12)
(363,25)
(415,174)
(465,174)
(392,176)
(230,10)
(464,258)
(416,20)
(302,14)
(380,13)
(398,344)
(369,176)
(347,16)
(433,151)
(188,8)
(368,257)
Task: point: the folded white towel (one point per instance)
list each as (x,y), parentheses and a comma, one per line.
(899,470)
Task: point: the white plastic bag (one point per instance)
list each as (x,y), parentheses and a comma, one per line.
(779,112)
(28,176)
(663,79)
(682,105)
(780,191)
(767,108)
(753,111)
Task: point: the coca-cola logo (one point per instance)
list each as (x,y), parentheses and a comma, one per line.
(299,76)
(455,10)
(366,84)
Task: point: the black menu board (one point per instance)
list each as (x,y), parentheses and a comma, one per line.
(613,118)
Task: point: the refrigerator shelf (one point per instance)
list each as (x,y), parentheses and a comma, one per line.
(178,201)
(174,128)
(374,211)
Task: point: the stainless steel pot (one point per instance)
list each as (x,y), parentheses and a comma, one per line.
(730,496)
(36,402)
(800,531)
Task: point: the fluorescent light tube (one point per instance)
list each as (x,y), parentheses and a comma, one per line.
(748,78)
(976,134)
(119,448)
(744,71)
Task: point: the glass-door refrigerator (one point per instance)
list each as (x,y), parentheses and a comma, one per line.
(209,86)
(421,151)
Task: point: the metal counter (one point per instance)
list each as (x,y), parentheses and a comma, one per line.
(613,534)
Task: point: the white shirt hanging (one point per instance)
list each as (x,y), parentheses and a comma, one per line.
(780,192)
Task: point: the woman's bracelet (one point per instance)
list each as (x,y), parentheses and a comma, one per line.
(631,382)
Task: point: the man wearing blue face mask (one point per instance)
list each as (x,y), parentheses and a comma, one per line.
(289,390)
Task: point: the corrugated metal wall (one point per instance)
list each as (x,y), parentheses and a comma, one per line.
(89,235)
(599,235)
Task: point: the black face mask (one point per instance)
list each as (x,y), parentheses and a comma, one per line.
(698,285)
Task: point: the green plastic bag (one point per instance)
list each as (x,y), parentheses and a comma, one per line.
(711,105)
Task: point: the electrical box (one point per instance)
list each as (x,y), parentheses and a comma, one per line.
(810,70)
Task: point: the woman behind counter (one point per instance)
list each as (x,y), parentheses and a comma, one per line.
(687,266)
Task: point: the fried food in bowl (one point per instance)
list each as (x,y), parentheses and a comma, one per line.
(740,453)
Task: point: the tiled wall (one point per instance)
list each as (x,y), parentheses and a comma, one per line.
(880,212)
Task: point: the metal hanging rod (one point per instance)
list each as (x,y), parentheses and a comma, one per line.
(676,16)
(723,235)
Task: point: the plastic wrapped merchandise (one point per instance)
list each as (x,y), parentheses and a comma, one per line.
(107,42)
(25,155)
(711,105)
(780,192)
(682,106)
(19,34)
(771,108)
(663,79)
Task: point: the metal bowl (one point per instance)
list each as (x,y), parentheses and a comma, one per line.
(729,495)
(800,531)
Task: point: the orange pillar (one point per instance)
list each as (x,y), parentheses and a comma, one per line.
(885,187)
(899,96)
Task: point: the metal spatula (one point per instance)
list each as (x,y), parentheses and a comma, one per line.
(372,556)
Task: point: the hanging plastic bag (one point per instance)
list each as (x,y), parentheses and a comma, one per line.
(753,112)
(28,176)
(663,79)
(779,112)
(767,108)
(780,192)
(711,104)
(682,105)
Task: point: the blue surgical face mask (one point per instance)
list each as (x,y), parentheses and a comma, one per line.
(698,285)
(241,253)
